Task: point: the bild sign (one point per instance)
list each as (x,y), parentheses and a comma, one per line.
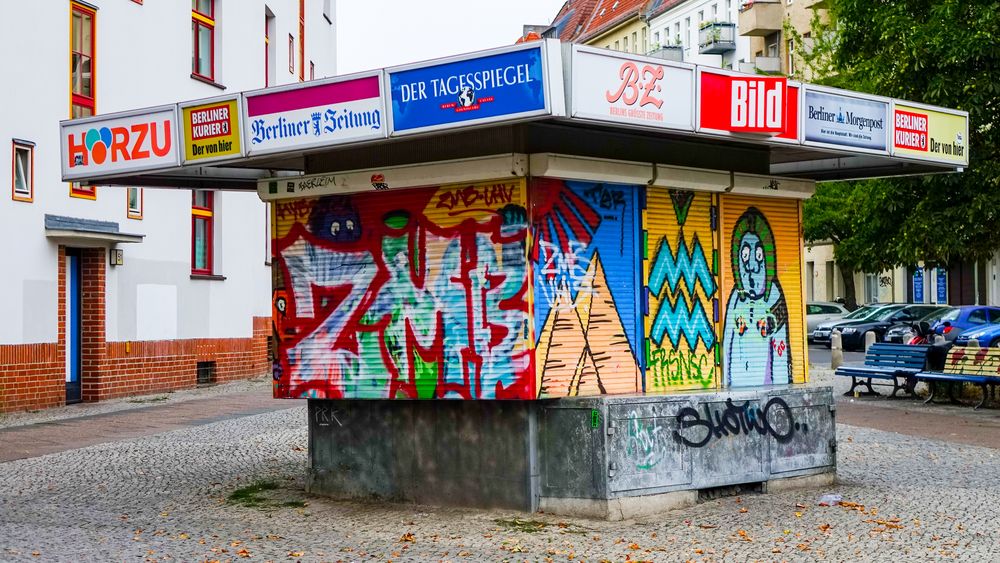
(487,88)
(323,113)
(833,119)
(616,88)
(740,103)
(119,143)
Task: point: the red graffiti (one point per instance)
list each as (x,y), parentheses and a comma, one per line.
(494,196)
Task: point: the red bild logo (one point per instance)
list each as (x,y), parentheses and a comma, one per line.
(911,130)
(119,144)
(743,104)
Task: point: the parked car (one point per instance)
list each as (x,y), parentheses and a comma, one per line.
(821,312)
(986,335)
(853,332)
(902,333)
(822,332)
(963,318)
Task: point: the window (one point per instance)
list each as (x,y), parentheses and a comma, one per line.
(291,53)
(270,48)
(625,43)
(23,154)
(302,40)
(790,50)
(267,234)
(133,203)
(635,42)
(82,61)
(312,70)
(203,38)
(84,192)
(687,31)
(202,217)
(977,317)
(715,12)
(656,38)
(617,48)
(677,33)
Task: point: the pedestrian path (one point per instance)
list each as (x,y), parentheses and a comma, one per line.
(69,432)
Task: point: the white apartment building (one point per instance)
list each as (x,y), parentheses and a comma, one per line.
(118,291)
(706,31)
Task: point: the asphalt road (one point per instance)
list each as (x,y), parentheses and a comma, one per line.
(820,355)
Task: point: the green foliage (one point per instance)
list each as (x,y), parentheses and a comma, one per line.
(944,53)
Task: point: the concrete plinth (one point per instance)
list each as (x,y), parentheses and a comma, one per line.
(608,457)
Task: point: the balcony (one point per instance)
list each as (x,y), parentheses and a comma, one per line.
(717,38)
(761,17)
(767,64)
(669,53)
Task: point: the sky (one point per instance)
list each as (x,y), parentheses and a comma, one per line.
(380,33)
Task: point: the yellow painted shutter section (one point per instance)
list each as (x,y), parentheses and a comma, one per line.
(681,281)
(763,323)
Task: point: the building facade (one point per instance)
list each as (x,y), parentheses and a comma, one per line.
(704,30)
(120,291)
(772,49)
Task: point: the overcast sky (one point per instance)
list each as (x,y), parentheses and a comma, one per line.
(380,33)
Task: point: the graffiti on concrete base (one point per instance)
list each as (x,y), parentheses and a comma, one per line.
(643,446)
(696,430)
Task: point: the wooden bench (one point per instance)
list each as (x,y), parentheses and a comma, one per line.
(975,365)
(888,361)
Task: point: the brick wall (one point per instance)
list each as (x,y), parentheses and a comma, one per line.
(32,376)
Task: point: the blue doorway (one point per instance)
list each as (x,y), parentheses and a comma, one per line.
(74,326)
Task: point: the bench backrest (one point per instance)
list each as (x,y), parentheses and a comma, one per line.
(889,355)
(968,360)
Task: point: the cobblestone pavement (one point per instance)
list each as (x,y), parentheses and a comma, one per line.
(166,497)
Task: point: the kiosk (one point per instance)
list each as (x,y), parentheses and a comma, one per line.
(538,277)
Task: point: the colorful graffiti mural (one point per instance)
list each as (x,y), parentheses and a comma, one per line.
(586,287)
(681,291)
(419,295)
(756,333)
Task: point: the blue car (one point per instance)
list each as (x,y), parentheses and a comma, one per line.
(965,317)
(988,335)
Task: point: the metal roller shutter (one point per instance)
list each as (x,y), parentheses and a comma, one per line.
(681,281)
(763,336)
(419,293)
(585,257)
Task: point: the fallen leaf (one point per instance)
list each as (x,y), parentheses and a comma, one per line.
(183,536)
(707,526)
(244,553)
(798,515)
(295,553)
(798,505)
(744,510)
(633,546)
(407,537)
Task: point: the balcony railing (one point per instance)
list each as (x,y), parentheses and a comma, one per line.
(761,17)
(717,38)
(669,52)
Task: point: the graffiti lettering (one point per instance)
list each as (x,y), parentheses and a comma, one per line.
(774,420)
(644,446)
(560,271)
(674,367)
(471,196)
(605,198)
(294,210)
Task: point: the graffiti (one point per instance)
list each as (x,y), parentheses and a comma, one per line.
(325,415)
(774,420)
(756,327)
(492,195)
(398,299)
(586,290)
(294,210)
(605,198)
(689,265)
(681,200)
(644,442)
(667,367)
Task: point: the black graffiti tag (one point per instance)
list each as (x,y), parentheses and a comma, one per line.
(737,419)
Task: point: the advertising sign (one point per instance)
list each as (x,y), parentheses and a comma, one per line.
(119,143)
(930,133)
(918,285)
(740,103)
(323,113)
(942,285)
(211,130)
(617,88)
(491,87)
(835,120)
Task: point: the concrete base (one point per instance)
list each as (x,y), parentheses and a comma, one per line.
(609,457)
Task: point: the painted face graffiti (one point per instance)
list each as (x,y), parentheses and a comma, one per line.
(756,328)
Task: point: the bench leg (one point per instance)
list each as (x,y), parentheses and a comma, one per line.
(896,385)
(985,396)
(951,393)
(930,397)
(911,385)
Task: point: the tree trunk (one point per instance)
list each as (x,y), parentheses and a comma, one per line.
(850,293)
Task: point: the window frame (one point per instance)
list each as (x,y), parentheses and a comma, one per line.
(17,144)
(81,100)
(203,213)
(302,40)
(209,22)
(130,212)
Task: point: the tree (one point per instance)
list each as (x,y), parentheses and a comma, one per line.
(944,53)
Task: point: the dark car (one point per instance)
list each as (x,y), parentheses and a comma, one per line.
(963,318)
(822,333)
(902,333)
(853,332)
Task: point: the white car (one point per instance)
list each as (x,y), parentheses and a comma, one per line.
(821,312)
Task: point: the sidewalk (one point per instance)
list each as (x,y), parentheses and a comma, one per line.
(26,435)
